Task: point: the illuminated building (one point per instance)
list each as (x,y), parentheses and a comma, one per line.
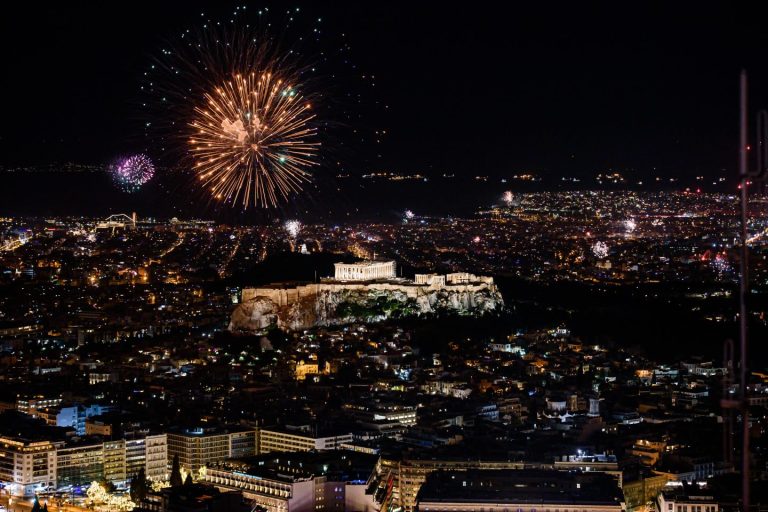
(686,498)
(585,463)
(197,447)
(43,458)
(71,416)
(83,462)
(27,466)
(303,369)
(408,475)
(96,427)
(301,482)
(278,493)
(299,440)
(31,404)
(402,414)
(364,271)
(116,461)
(149,452)
(99,377)
(637,493)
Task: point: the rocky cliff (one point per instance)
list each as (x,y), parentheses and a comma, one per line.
(338,304)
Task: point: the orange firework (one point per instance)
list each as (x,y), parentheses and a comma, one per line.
(253,140)
(242,107)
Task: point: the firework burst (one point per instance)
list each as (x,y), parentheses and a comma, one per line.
(133,172)
(600,249)
(293,228)
(252,140)
(720,263)
(234,104)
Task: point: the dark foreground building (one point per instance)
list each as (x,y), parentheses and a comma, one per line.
(520,491)
(194,498)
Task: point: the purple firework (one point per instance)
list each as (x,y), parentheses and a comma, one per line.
(132,172)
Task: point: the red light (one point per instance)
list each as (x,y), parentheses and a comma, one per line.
(749,147)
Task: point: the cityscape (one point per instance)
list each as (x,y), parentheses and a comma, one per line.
(277,292)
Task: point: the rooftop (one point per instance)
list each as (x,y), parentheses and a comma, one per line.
(367,263)
(521,486)
(292,466)
(23,428)
(209,430)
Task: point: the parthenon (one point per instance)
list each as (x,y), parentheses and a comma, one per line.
(364,271)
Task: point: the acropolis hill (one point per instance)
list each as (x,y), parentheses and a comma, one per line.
(367,291)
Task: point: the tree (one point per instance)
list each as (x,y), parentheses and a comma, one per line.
(188,480)
(36,507)
(176,480)
(96,494)
(108,486)
(99,499)
(139,486)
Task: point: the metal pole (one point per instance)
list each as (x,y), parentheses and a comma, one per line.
(728,380)
(762,152)
(743,285)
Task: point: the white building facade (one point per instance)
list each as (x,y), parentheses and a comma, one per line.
(27,468)
(280,440)
(365,271)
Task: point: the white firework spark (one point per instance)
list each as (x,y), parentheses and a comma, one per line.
(600,249)
(293,227)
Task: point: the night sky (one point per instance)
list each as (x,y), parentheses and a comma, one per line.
(555,88)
